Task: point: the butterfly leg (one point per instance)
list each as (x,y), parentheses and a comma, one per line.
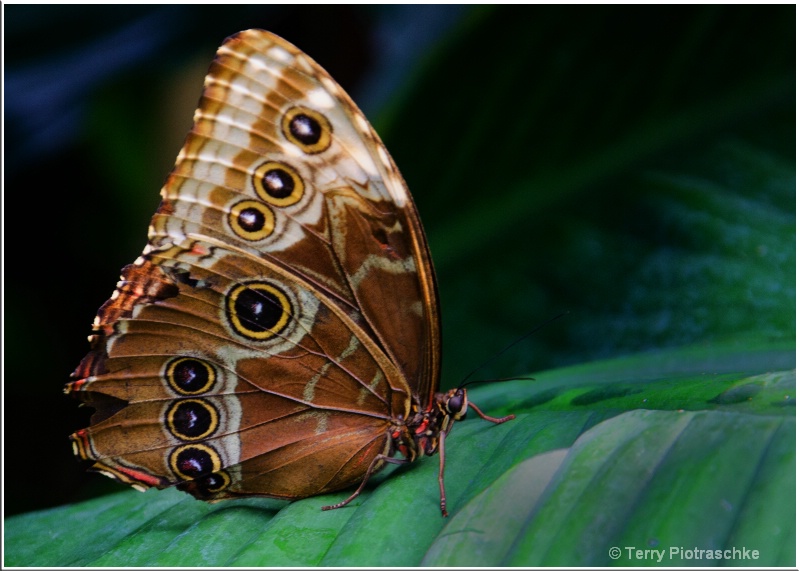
(370,471)
(491,418)
(443,502)
(442,436)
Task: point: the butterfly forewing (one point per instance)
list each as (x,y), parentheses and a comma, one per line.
(347,228)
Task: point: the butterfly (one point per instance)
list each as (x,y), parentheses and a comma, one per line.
(279,335)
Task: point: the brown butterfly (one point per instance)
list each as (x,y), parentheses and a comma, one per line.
(279,336)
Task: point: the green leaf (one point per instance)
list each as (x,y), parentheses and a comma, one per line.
(645,480)
(576,473)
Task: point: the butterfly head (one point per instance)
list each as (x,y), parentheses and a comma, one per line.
(454,403)
(449,407)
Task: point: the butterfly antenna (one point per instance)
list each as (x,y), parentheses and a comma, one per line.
(494,357)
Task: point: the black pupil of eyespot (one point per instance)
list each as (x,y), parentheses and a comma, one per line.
(258,309)
(192,419)
(306,129)
(213,480)
(279,183)
(191,375)
(193,462)
(251,219)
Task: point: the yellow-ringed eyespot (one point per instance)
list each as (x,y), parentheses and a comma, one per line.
(191,461)
(257,310)
(190,376)
(215,482)
(206,486)
(192,419)
(251,220)
(309,130)
(278,184)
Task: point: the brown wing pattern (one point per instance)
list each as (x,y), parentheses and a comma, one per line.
(271,335)
(353,236)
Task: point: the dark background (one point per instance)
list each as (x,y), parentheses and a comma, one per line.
(523,134)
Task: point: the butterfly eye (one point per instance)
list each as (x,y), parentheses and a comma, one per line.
(457,404)
(307,129)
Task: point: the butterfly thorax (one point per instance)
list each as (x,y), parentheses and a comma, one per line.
(422,430)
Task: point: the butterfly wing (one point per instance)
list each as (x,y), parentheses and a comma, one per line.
(284,311)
